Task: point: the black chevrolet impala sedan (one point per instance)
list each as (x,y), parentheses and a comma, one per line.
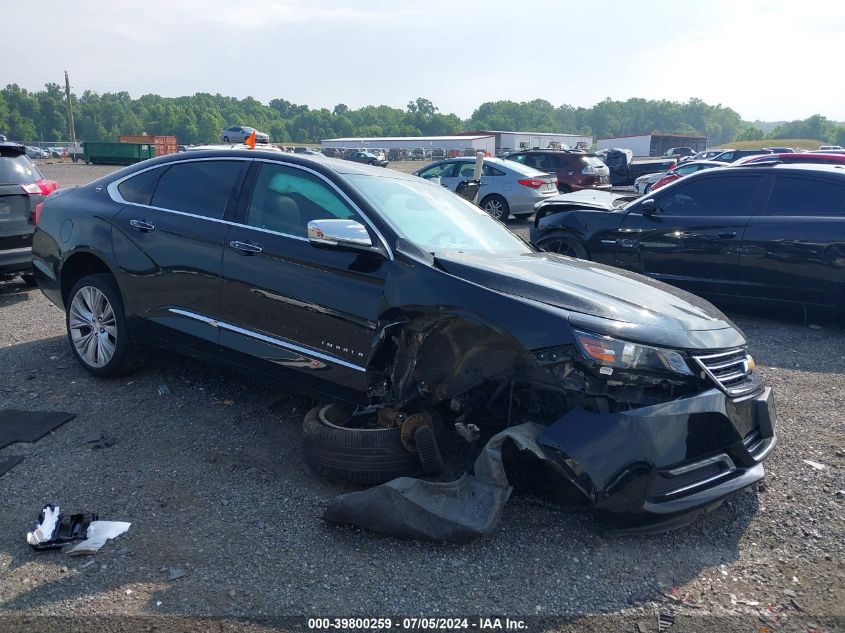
(384,291)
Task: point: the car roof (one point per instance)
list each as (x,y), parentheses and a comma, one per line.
(10,146)
(318,162)
(714,163)
(797,168)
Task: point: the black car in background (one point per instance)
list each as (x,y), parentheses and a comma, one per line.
(389,292)
(366,158)
(774,232)
(22,190)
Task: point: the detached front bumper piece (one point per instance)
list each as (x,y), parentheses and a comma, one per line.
(658,467)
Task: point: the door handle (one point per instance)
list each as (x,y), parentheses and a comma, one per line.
(245,247)
(727,235)
(142,225)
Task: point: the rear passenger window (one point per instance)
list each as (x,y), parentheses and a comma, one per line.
(199,187)
(286,199)
(139,189)
(710,196)
(792,195)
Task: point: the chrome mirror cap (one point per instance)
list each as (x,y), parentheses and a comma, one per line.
(339,233)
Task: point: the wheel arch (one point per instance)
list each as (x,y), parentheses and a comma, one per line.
(565,233)
(77,265)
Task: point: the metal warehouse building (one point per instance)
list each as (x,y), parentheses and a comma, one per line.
(479,142)
(654,144)
(513,141)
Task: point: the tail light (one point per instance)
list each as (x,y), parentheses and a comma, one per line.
(534,183)
(37,213)
(42,187)
(589,170)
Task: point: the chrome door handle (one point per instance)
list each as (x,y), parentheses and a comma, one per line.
(142,225)
(245,247)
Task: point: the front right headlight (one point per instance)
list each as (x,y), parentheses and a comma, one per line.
(610,354)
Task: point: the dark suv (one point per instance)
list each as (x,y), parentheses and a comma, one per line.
(392,293)
(575,170)
(747,233)
(22,190)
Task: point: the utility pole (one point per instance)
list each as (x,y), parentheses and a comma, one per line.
(70,112)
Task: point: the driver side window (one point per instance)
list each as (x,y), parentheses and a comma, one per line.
(285,199)
(710,196)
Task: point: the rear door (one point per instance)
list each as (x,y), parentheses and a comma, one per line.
(168,240)
(290,307)
(794,246)
(693,239)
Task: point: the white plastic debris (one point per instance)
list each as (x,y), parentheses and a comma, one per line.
(815,465)
(98,533)
(45,529)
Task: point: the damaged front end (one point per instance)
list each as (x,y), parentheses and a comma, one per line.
(650,436)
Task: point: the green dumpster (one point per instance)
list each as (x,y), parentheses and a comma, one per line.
(102,153)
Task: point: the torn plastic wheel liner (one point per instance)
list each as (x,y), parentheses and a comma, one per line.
(453,511)
(55,530)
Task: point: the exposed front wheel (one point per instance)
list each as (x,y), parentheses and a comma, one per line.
(96,326)
(225,139)
(357,449)
(496,206)
(565,246)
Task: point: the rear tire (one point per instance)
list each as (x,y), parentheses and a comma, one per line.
(363,456)
(96,326)
(496,206)
(568,246)
(225,139)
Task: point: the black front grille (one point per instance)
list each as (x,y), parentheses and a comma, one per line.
(729,370)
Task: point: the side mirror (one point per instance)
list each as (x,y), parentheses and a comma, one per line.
(339,233)
(648,207)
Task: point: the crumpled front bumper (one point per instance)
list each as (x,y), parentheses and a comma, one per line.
(656,467)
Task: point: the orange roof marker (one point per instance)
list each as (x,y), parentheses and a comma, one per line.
(250,140)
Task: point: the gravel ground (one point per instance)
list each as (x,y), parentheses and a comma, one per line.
(207,467)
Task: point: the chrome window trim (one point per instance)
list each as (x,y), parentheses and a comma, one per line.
(342,194)
(115,195)
(266,339)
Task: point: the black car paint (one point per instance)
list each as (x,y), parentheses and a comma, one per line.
(322,318)
(741,255)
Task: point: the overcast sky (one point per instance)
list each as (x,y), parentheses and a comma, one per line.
(767,59)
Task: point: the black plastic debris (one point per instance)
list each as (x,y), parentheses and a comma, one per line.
(99,440)
(453,511)
(7,463)
(55,530)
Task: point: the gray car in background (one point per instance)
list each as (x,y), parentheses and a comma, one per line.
(507,188)
(240,133)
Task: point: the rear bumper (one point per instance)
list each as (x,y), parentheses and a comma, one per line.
(649,468)
(15,261)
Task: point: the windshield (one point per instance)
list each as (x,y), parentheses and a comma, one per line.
(434,218)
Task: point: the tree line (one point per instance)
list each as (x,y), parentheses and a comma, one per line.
(33,116)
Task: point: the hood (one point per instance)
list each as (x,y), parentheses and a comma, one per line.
(588,199)
(601,298)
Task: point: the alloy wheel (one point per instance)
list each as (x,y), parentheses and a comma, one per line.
(93,328)
(495,208)
(562,247)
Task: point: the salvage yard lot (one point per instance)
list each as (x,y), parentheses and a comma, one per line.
(207,466)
